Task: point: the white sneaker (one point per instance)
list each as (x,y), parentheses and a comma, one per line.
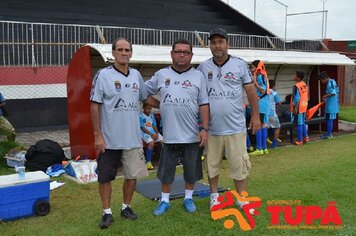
(213,202)
(241,204)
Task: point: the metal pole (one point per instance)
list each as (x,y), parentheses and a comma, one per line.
(326,23)
(285,29)
(323,20)
(254,10)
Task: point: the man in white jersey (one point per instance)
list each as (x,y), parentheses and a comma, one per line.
(183,101)
(226,77)
(115,96)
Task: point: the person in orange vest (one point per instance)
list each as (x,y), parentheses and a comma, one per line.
(299,105)
(260,80)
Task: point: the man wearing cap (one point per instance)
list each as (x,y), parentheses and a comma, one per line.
(331,99)
(226,77)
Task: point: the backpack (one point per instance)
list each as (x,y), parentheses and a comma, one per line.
(43,154)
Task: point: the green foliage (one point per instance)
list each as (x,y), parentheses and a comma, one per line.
(315,173)
(348,113)
(5,146)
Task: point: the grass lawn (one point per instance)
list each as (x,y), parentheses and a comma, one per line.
(348,113)
(315,174)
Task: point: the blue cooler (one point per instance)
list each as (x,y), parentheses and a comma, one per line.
(24,197)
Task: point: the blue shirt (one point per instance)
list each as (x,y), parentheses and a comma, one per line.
(273,100)
(332,103)
(296,96)
(2,99)
(148,122)
(263,102)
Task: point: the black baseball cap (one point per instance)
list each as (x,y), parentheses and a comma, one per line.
(218,31)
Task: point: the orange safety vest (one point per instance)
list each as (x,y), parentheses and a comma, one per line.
(303,102)
(261,69)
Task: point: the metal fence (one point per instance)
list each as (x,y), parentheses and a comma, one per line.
(40,44)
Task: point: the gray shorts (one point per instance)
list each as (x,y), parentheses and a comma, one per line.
(190,154)
(273,122)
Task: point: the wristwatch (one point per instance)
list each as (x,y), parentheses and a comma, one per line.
(204,128)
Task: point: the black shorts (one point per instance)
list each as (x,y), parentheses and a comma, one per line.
(108,165)
(190,154)
(262,118)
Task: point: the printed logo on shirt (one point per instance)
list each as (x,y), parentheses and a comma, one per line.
(135,87)
(121,105)
(176,82)
(127,85)
(210,75)
(167,82)
(230,75)
(117,85)
(186,84)
(172,101)
(213,94)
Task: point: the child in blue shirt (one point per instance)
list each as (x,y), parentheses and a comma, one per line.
(149,133)
(331,99)
(260,81)
(273,120)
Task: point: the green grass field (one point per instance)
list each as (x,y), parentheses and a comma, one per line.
(348,113)
(315,174)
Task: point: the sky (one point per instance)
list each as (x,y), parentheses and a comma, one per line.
(340,19)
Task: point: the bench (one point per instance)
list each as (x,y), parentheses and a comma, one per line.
(289,125)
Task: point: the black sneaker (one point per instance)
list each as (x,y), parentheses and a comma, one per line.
(106,221)
(128,214)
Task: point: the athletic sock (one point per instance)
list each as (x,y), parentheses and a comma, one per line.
(188,193)
(305,131)
(330,127)
(214,195)
(149,154)
(165,197)
(124,206)
(248,142)
(107,211)
(300,133)
(264,138)
(259,139)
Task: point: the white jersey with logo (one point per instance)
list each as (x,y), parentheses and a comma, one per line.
(181,94)
(225,91)
(119,96)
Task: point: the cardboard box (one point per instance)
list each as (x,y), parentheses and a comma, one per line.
(24,197)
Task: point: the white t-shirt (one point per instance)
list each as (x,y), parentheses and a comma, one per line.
(119,96)
(181,94)
(225,91)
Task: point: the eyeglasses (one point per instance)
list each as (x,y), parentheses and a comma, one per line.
(127,50)
(185,53)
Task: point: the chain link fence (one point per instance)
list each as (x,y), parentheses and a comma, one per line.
(35,56)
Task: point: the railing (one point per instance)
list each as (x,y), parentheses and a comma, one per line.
(40,44)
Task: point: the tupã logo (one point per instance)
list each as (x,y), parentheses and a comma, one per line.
(221,210)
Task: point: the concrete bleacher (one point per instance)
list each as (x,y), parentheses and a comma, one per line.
(197,15)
